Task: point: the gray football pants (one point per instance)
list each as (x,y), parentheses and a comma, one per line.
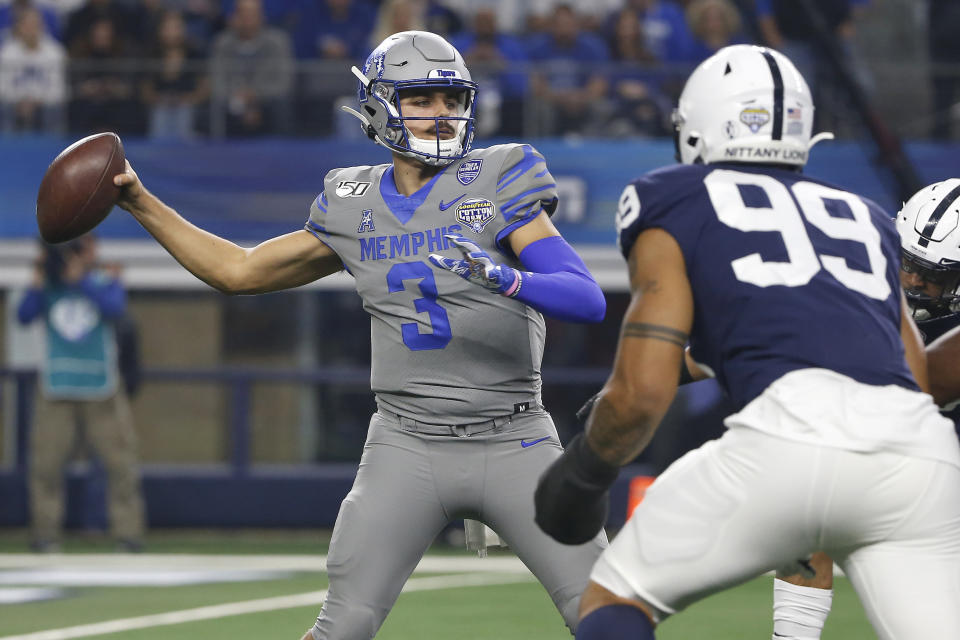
(411,483)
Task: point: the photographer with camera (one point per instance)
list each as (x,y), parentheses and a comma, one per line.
(82,395)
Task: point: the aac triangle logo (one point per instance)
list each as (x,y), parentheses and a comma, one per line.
(366,221)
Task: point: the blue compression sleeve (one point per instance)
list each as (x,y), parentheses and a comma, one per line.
(558,284)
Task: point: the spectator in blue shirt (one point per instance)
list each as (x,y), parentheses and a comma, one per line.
(665,29)
(569,79)
(497,62)
(334,29)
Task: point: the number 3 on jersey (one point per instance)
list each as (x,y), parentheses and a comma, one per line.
(784,217)
(439,321)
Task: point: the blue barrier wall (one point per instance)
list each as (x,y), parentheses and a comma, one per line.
(252,190)
(234,493)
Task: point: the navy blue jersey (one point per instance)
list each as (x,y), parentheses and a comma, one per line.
(787,273)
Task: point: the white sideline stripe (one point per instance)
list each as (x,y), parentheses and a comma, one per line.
(251,606)
(186,561)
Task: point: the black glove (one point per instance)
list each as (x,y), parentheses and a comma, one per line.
(572,498)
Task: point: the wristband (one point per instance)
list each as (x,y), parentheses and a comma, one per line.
(514,288)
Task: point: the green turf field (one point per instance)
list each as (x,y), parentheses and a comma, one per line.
(456,596)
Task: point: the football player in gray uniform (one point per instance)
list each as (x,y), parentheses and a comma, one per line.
(455,258)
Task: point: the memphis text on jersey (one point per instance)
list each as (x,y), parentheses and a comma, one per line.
(407,244)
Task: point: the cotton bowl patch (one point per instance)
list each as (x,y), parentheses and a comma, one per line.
(468,170)
(475,213)
(754,117)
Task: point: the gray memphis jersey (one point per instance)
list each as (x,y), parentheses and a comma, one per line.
(444,350)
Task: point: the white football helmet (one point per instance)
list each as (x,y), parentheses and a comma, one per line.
(745,104)
(414,60)
(929,227)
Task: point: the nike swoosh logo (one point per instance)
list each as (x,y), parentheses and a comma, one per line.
(525,444)
(399,64)
(446,205)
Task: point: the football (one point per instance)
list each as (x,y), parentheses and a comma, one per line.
(77,191)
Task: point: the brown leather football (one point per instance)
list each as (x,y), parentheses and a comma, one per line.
(77,191)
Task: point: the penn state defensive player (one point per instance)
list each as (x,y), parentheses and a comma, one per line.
(929,226)
(457,335)
(787,288)
(929,229)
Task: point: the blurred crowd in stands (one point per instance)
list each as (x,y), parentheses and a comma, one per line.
(178,69)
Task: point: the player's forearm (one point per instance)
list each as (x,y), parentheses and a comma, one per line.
(913,346)
(208,257)
(617,432)
(942,358)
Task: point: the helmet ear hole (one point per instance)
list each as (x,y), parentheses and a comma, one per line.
(370,110)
